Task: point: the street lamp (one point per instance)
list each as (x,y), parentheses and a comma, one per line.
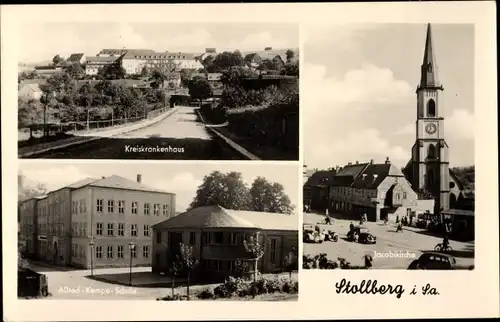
(131,246)
(91,244)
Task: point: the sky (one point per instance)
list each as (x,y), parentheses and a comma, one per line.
(181,179)
(42,41)
(358,87)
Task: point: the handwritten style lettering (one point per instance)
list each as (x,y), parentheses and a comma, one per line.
(368,287)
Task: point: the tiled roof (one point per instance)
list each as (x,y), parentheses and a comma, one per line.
(322,177)
(118,182)
(32,87)
(75,57)
(81,183)
(219,217)
(365,175)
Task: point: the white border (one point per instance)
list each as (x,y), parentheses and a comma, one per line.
(463,294)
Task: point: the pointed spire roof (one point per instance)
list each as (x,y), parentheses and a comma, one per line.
(429,77)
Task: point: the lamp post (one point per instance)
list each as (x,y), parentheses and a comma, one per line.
(91,244)
(131,246)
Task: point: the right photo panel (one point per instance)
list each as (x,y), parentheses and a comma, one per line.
(389,177)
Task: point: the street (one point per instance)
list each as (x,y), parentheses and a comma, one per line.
(393,250)
(179,136)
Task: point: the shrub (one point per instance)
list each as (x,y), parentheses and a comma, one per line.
(206,294)
(232,286)
(175,297)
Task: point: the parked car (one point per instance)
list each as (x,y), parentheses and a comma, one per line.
(327,231)
(31,283)
(310,234)
(361,235)
(434,260)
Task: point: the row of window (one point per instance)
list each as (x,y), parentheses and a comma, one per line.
(146,210)
(120,251)
(348,191)
(159,57)
(79,206)
(219,238)
(55,228)
(110,229)
(79,229)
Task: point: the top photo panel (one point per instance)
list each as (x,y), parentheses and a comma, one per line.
(158,91)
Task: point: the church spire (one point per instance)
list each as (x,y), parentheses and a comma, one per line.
(429,69)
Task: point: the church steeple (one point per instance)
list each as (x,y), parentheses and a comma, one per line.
(429,77)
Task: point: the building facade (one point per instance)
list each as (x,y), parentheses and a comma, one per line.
(217,234)
(92,222)
(378,190)
(94,64)
(428,170)
(134,61)
(28,225)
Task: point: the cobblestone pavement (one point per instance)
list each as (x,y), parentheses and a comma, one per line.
(393,250)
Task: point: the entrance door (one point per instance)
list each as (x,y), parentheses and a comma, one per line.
(274,259)
(174,242)
(55,253)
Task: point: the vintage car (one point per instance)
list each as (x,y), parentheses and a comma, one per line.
(327,231)
(434,260)
(311,234)
(31,283)
(361,235)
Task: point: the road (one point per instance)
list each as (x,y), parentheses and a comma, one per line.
(181,135)
(393,250)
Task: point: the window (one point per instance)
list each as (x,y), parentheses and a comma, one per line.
(133,252)
(80,206)
(273,251)
(206,238)
(192,238)
(219,238)
(233,238)
(146,230)
(98,252)
(83,229)
(111,229)
(99,229)
(134,207)
(146,208)
(156,209)
(133,230)
(111,206)
(165,210)
(397,195)
(404,195)
(158,237)
(121,206)
(119,252)
(121,229)
(145,251)
(100,202)
(431,151)
(431,108)
(110,251)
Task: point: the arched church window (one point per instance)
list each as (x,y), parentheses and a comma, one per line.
(431,153)
(431,108)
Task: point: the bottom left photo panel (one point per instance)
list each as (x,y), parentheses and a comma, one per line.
(158,231)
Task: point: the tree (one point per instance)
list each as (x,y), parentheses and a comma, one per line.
(200,89)
(234,76)
(75,70)
(157,79)
(145,72)
(255,251)
(226,60)
(269,197)
(29,112)
(87,97)
(290,69)
(189,262)
(26,192)
(185,76)
(112,71)
(57,59)
(290,262)
(174,268)
(227,190)
(290,55)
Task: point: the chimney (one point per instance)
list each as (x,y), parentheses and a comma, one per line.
(268,48)
(387,161)
(371,161)
(357,162)
(139,178)
(350,163)
(103,177)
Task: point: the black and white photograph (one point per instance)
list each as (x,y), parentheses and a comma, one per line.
(215,91)
(158,232)
(389,150)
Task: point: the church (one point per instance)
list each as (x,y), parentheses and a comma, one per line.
(426,185)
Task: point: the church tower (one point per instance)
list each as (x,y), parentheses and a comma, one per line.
(430,164)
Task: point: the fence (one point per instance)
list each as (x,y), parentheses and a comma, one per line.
(36,130)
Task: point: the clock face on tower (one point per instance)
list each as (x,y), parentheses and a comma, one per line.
(430,128)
